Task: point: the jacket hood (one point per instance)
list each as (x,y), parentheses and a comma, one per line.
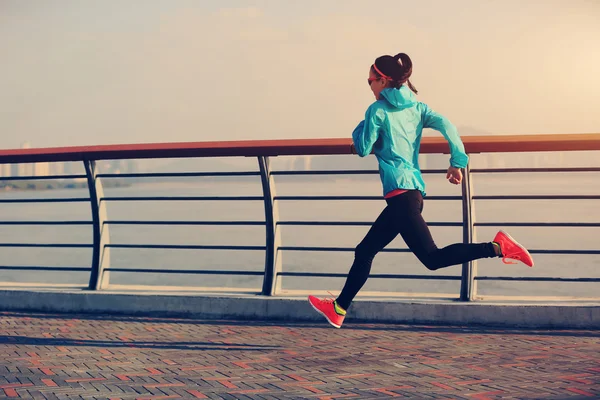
(399,98)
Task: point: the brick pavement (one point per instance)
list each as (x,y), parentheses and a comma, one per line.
(91,357)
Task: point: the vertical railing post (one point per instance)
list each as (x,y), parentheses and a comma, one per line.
(99,278)
(273,259)
(469,269)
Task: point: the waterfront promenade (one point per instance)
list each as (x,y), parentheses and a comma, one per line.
(77,356)
(103,338)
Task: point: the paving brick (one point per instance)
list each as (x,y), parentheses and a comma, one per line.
(44,356)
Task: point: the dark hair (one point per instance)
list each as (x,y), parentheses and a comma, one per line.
(398,67)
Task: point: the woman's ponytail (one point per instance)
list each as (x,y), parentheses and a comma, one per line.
(405,65)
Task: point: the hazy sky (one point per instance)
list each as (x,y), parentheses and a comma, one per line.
(124,71)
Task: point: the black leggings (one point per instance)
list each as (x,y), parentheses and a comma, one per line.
(403,216)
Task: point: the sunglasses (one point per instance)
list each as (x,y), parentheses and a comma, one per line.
(371,80)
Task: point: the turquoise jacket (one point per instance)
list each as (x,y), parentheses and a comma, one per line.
(392,129)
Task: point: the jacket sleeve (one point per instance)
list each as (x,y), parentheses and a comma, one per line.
(367,132)
(433,120)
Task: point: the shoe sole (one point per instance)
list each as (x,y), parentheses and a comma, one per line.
(323,314)
(519,246)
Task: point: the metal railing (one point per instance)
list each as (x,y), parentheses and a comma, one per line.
(100,268)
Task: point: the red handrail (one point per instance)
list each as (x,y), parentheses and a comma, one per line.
(251,148)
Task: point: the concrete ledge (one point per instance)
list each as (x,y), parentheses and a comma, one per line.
(254,307)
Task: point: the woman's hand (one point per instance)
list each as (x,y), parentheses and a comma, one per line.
(454,175)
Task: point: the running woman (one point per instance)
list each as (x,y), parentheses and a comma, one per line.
(392,129)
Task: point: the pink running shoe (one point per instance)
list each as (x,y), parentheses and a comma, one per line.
(511,249)
(326,308)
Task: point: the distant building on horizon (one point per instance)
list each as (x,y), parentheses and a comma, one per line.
(57,168)
(5,170)
(41,169)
